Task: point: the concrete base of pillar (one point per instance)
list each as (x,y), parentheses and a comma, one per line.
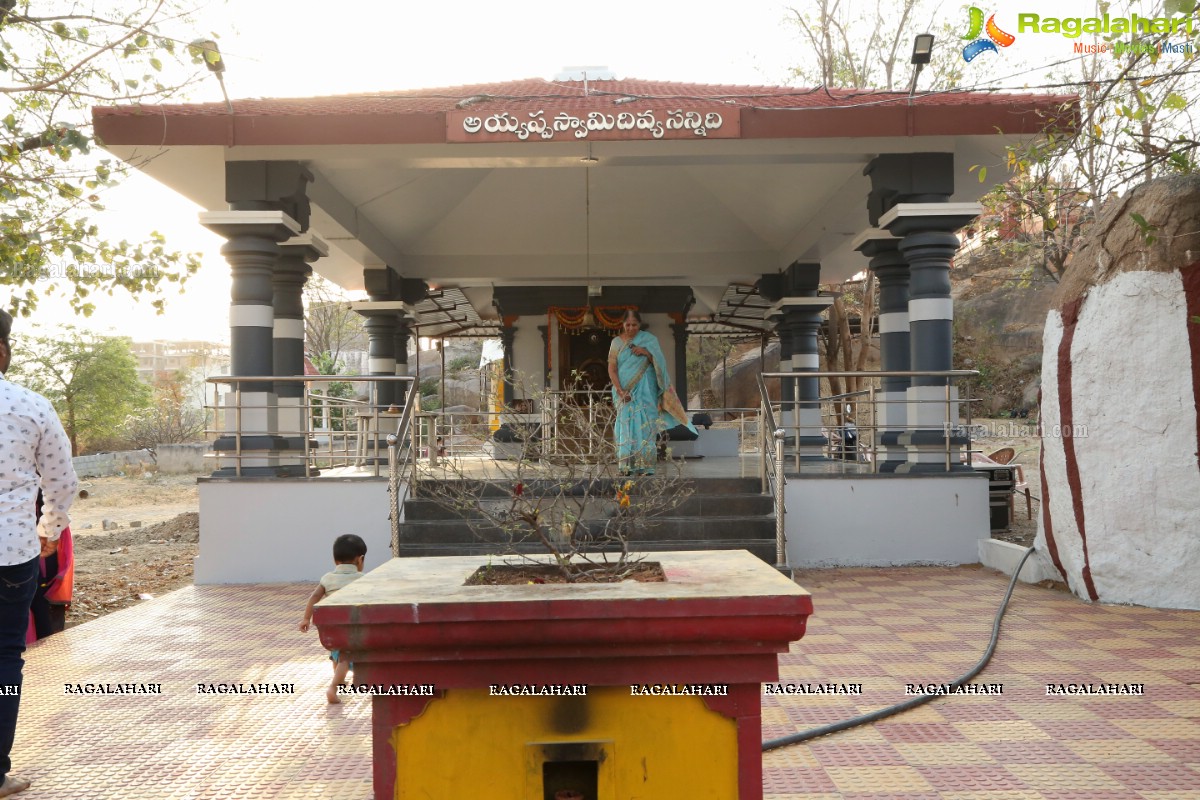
(876,521)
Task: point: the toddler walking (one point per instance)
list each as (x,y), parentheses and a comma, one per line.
(349,551)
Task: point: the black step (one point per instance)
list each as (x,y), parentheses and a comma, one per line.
(717,514)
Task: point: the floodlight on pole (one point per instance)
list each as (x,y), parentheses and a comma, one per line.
(921,55)
(208,50)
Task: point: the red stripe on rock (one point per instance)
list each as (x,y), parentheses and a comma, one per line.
(1191,293)
(1070,314)
(1047,524)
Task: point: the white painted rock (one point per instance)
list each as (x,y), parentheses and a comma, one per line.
(1119,410)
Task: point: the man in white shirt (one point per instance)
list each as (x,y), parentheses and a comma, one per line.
(34,453)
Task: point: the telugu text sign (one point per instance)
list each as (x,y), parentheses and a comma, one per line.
(542,126)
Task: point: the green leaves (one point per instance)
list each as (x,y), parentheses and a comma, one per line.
(1146,228)
(1175,102)
(54,72)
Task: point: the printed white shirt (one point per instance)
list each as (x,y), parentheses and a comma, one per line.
(34,451)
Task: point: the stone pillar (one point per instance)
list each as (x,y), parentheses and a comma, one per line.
(508,335)
(400,347)
(546,368)
(799,323)
(252,250)
(891,419)
(382,286)
(291,273)
(680,330)
(381,354)
(929,244)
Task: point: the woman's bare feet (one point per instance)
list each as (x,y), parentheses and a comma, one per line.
(331,696)
(12,784)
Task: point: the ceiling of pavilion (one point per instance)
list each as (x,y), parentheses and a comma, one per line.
(393,188)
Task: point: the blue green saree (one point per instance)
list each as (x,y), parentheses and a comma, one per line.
(653,406)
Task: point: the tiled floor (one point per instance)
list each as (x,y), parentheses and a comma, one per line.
(880,628)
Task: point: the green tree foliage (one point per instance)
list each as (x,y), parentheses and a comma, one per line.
(330,414)
(57,60)
(1131,122)
(91,380)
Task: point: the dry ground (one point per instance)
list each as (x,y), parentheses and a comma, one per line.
(121,567)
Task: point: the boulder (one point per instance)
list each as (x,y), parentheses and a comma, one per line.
(1120,411)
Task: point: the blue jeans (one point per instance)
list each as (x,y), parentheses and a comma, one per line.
(17,585)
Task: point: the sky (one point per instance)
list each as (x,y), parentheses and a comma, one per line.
(307,48)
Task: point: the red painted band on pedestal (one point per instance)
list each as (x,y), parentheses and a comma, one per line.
(1066,420)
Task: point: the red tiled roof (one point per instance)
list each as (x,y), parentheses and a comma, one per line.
(570,95)
(420,116)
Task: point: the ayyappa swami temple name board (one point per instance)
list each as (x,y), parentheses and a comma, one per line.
(504,126)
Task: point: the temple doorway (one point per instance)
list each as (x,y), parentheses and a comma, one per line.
(584,353)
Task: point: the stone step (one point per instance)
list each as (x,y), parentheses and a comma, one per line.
(713,528)
(762,548)
(606,486)
(697,505)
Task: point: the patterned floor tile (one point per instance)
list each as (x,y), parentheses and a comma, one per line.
(882,628)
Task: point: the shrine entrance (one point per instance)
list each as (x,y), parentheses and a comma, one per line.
(583,359)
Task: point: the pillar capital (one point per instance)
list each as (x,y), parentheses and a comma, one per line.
(307,247)
(903,219)
(907,178)
(263,224)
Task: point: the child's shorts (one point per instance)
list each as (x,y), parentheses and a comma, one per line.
(335,655)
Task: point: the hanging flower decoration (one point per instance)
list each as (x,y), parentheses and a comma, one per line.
(570,318)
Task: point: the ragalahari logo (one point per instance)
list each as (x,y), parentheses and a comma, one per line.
(979,44)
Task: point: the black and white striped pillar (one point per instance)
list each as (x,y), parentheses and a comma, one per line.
(252,250)
(929,245)
(381,353)
(799,325)
(291,273)
(402,337)
(891,270)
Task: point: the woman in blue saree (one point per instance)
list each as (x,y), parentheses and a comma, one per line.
(645,402)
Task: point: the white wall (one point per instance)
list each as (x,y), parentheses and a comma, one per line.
(277,530)
(886,520)
(1135,444)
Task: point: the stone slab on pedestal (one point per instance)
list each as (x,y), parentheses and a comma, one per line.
(720,619)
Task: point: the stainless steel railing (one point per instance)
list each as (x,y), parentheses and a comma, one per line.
(853,425)
(334,431)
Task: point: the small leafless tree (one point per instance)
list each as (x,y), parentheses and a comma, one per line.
(330,325)
(559,491)
(174,416)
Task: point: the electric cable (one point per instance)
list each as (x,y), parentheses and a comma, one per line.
(883,713)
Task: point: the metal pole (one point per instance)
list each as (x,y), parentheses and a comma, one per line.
(874,428)
(947,426)
(762,445)
(237,427)
(780,540)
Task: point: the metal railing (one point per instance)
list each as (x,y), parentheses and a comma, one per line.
(402,460)
(771,438)
(852,424)
(334,431)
